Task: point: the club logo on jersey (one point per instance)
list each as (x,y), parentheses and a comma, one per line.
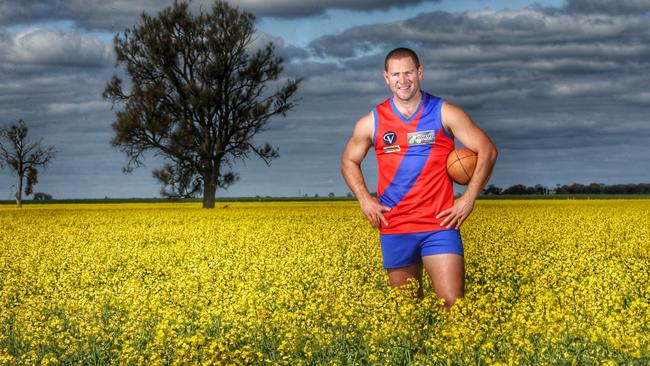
(390,137)
(422,138)
(390,149)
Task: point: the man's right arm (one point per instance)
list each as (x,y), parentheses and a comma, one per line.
(354,153)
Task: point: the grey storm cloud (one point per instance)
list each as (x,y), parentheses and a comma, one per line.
(608,7)
(117,15)
(529,27)
(111,15)
(53,48)
(53,80)
(537,53)
(301,8)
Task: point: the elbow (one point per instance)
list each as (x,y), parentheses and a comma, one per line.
(491,153)
(348,166)
(344,163)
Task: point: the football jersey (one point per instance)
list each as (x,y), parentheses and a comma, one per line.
(411,157)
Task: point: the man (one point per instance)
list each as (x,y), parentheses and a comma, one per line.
(419,220)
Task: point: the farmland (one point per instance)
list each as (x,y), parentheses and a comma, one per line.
(302,283)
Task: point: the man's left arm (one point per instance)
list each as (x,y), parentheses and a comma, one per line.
(456,121)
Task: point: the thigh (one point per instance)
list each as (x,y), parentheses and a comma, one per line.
(400,276)
(447,273)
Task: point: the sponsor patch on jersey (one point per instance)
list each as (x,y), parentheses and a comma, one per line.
(390,149)
(422,138)
(390,137)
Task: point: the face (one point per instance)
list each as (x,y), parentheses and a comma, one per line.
(403,78)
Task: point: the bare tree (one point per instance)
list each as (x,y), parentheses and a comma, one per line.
(23,157)
(198,96)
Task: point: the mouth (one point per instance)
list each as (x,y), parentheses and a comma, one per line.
(404,87)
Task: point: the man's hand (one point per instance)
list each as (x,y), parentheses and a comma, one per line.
(374,211)
(457,213)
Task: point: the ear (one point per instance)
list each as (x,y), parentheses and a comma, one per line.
(420,72)
(386,77)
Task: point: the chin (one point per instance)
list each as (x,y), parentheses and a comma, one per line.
(405,95)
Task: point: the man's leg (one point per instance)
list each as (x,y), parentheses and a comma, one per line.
(401,257)
(447,273)
(398,277)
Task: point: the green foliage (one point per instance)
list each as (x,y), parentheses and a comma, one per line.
(198,95)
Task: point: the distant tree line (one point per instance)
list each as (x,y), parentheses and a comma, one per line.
(575,188)
(40,196)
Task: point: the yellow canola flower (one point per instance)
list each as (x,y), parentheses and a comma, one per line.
(547,282)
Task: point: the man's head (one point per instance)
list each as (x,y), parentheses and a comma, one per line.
(403,72)
(402,52)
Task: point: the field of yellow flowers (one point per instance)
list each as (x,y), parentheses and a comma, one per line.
(547,282)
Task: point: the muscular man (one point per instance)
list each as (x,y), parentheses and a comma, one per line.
(412,133)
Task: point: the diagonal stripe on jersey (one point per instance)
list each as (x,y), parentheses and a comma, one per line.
(410,167)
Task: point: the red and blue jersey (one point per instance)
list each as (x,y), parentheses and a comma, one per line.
(411,157)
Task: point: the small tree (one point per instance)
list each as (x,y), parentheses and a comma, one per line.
(198,96)
(23,157)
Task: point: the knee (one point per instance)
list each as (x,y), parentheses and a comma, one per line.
(450,300)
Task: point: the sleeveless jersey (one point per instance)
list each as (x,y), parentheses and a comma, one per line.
(411,158)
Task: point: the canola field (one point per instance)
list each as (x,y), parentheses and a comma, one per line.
(547,282)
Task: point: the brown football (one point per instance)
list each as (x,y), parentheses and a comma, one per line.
(460,165)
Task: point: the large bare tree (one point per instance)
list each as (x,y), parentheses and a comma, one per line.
(199,94)
(23,157)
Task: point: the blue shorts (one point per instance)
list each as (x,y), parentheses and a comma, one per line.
(402,250)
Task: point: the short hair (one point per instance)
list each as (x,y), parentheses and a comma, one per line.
(400,53)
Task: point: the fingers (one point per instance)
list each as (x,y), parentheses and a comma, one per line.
(373,220)
(374,213)
(443,213)
(383,220)
(460,222)
(453,221)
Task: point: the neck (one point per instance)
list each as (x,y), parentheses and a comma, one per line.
(409,106)
(411,103)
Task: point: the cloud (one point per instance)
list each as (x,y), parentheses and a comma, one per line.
(88,14)
(640,98)
(53,48)
(531,51)
(261,39)
(529,27)
(608,7)
(116,15)
(302,8)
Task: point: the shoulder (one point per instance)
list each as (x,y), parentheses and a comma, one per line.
(452,112)
(365,127)
(454,117)
(368,118)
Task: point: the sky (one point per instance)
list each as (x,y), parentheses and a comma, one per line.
(561,87)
